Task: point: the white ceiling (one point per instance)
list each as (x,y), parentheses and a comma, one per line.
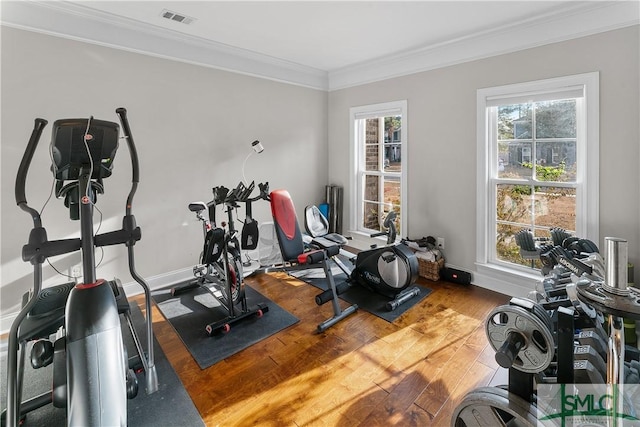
(321,41)
(329,35)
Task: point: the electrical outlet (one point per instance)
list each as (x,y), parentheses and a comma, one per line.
(76,271)
(440,243)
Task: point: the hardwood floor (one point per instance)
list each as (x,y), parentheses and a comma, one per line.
(362,371)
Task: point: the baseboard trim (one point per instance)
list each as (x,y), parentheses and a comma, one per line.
(507,288)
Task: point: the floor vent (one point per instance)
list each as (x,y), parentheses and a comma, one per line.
(178,17)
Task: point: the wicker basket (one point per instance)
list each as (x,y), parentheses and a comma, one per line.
(430,269)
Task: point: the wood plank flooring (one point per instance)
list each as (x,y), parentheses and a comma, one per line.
(362,371)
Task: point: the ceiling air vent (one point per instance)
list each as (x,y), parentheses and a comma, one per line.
(175,16)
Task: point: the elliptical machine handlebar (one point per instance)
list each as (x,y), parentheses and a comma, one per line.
(390,225)
(135,165)
(39,247)
(21,199)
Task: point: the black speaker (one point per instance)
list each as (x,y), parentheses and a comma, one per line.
(454,275)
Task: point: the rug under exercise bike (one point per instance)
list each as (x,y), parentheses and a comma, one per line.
(366,300)
(188,313)
(169,406)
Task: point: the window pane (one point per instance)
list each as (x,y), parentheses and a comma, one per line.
(371,215)
(515,158)
(556,161)
(555,207)
(514,204)
(506,246)
(556,119)
(508,250)
(376,213)
(372,188)
(392,161)
(392,143)
(392,191)
(395,208)
(514,121)
(372,145)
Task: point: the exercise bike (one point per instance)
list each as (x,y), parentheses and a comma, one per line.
(220,271)
(91,374)
(389,270)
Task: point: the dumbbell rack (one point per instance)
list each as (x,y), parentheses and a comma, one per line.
(511,339)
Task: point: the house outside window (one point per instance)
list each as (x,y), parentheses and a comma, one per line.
(537,167)
(378,148)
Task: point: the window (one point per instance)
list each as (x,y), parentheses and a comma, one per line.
(379,146)
(537,166)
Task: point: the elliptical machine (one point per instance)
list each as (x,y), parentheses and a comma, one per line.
(91,376)
(389,270)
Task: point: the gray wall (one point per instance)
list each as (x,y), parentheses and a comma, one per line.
(442,134)
(193,127)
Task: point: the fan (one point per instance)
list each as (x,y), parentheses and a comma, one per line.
(268,247)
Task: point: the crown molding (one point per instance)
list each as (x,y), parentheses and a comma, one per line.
(576,20)
(76,22)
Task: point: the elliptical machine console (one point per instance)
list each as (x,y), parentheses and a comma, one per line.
(78,144)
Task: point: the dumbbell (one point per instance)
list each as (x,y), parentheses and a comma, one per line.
(558,235)
(559,272)
(586,352)
(632,372)
(585,373)
(591,337)
(555,287)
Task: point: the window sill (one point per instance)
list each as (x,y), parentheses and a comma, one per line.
(506,280)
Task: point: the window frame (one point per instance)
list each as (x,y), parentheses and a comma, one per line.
(357,168)
(587,179)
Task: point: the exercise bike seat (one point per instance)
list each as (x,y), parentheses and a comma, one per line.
(317,226)
(197,206)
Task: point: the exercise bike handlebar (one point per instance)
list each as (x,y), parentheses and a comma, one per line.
(21,179)
(240,194)
(263,195)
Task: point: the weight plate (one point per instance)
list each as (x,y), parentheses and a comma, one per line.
(543,314)
(533,307)
(492,406)
(539,348)
(595,294)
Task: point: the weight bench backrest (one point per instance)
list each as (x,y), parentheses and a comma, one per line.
(286,225)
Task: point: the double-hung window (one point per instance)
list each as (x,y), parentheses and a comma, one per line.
(378,166)
(537,166)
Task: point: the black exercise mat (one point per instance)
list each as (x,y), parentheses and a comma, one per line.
(366,300)
(169,406)
(190,312)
